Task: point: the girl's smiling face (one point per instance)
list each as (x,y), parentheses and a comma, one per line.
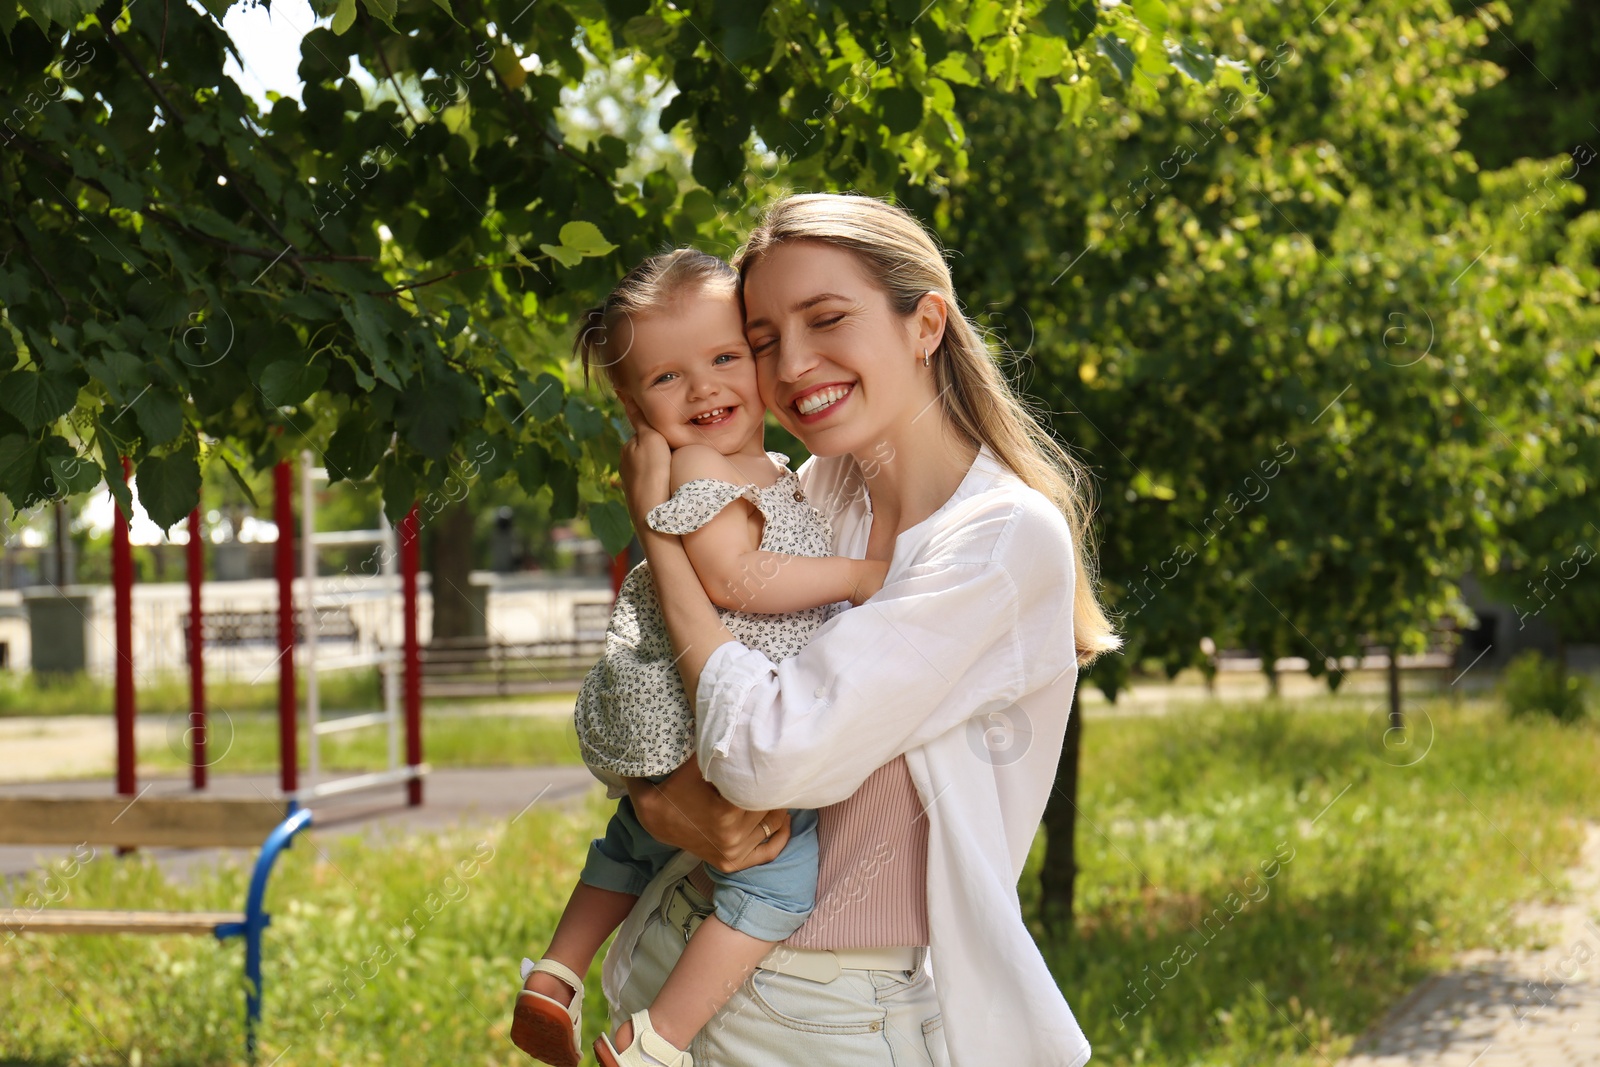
(689,369)
(837,366)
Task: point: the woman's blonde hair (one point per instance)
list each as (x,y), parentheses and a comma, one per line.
(904,260)
(651,286)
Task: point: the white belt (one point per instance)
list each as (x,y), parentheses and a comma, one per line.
(816,965)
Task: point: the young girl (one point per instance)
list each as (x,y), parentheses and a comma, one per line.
(671,339)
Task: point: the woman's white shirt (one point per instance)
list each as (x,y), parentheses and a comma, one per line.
(965,663)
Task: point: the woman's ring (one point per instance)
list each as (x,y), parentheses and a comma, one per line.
(765,830)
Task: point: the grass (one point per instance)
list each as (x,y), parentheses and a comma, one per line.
(167,693)
(248,742)
(1386,864)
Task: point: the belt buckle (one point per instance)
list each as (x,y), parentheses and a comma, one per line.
(681,913)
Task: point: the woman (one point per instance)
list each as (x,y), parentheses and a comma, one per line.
(925,724)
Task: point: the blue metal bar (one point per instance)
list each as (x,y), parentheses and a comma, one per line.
(256,919)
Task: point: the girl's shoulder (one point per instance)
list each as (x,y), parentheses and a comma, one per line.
(702,462)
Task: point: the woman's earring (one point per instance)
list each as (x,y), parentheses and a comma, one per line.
(925,357)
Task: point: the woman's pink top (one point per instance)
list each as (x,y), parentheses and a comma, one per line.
(872,878)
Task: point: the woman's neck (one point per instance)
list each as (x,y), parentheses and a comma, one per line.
(912,473)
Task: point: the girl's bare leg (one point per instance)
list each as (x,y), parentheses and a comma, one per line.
(713,966)
(590,916)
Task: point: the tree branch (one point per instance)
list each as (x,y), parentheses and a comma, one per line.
(418,285)
(387,69)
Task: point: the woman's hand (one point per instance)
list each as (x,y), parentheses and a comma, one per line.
(646,468)
(687,812)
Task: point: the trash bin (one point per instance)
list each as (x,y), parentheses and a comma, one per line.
(58,627)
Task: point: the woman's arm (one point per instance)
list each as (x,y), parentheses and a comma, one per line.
(981,619)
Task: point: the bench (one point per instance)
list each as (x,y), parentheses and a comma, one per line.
(158,822)
(473,666)
(261,627)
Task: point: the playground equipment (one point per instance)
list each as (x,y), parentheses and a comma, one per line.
(393,661)
(401,666)
(158,822)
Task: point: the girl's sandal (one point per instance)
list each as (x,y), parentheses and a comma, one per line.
(542,1026)
(645,1040)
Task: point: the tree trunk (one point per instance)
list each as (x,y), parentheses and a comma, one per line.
(1396,718)
(1060,870)
(450,564)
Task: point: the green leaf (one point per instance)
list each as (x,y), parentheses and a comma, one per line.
(1071,20)
(366,321)
(585,238)
(1153,13)
(285,383)
(1193,62)
(901,108)
(344,17)
(37,399)
(584,420)
(73,474)
(609,521)
(239,480)
(542,398)
(399,489)
(19,467)
(1116,50)
(565,256)
(698,207)
(355,448)
(169,486)
(563,481)
(383,10)
(61,12)
(159,415)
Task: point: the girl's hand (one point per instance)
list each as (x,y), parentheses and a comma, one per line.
(646,468)
(687,812)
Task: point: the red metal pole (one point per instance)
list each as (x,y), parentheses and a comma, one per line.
(122,584)
(197,665)
(410,532)
(288,738)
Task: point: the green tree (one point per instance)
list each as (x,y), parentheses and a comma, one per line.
(386,278)
(1291,328)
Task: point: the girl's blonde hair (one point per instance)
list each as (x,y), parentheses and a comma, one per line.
(903,260)
(651,286)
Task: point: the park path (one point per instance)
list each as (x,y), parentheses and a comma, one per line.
(1535,1008)
(40,748)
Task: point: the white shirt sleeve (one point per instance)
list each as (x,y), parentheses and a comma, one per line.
(940,643)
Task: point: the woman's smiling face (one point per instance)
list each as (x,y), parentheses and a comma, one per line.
(835,363)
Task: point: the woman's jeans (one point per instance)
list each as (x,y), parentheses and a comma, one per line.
(860,1019)
(769,901)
